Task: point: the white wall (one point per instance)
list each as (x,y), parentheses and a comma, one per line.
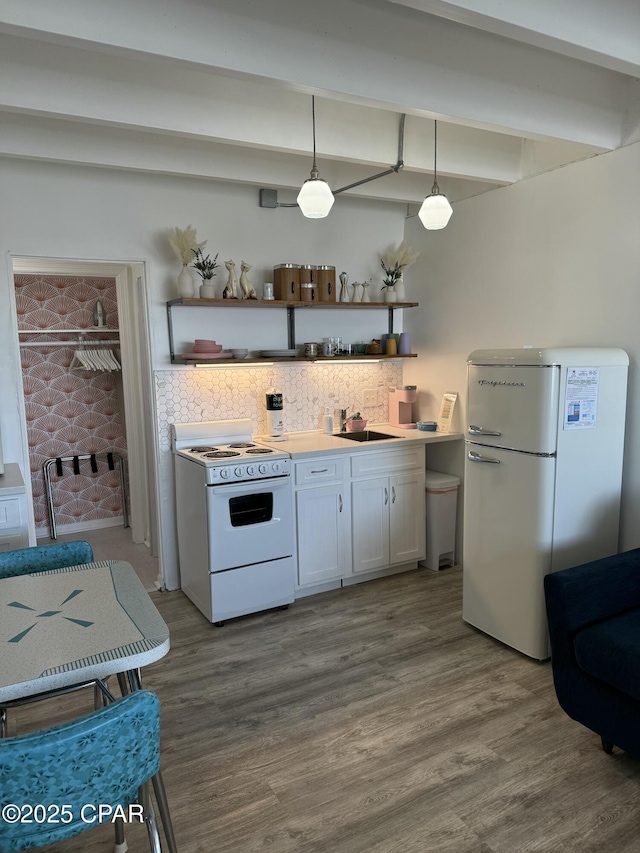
(59,211)
(553,260)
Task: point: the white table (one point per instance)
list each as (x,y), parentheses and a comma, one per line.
(74,625)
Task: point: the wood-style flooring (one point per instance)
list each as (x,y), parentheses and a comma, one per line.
(369,720)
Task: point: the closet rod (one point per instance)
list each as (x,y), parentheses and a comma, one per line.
(78,343)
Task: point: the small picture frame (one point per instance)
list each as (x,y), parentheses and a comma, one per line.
(446,411)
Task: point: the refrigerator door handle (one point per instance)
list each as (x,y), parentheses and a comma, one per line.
(478,430)
(476,457)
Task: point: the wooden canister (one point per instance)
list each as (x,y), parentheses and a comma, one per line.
(308,283)
(326,276)
(286,282)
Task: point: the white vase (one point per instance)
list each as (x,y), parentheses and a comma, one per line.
(207,290)
(356,292)
(399,290)
(186,287)
(365,292)
(390,295)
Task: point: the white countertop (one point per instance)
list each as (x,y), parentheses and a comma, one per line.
(11,482)
(301,444)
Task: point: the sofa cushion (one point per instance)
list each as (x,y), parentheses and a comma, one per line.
(610,650)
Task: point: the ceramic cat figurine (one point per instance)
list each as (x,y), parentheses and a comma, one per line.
(248,290)
(231,288)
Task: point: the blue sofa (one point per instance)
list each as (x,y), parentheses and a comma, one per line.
(593,612)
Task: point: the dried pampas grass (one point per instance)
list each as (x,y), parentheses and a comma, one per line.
(399,258)
(184,243)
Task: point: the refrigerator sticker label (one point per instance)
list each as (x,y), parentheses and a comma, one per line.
(581,398)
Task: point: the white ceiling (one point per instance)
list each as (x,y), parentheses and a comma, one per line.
(220,89)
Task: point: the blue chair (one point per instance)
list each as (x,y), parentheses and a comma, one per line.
(41,559)
(107,757)
(593,612)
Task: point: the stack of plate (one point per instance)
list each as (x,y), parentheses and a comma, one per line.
(279,353)
(205,350)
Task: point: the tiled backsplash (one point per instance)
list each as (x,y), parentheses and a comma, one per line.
(201,394)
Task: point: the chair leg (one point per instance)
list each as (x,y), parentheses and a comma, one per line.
(163,808)
(120,845)
(607,746)
(150,819)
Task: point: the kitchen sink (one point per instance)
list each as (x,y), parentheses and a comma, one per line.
(364,435)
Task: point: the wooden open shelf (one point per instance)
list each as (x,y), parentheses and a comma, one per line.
(291,307)
(280,303)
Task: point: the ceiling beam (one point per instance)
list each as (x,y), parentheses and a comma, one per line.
(365,51)
(53,140)
(606,34)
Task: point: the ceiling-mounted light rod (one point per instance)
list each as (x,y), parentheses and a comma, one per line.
(436,210)
(315,198)
(390,171)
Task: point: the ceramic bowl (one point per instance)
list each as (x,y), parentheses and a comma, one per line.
(356,426)
(427,426)
(239,353)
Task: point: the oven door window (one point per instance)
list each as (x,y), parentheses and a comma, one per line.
(251,509)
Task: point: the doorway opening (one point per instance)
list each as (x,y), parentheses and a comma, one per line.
(101,417)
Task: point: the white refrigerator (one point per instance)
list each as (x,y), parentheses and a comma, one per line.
(543,471)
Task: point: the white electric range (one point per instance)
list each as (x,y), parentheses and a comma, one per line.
(234,511)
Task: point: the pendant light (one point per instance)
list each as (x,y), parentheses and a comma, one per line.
(315,198)
(436,210)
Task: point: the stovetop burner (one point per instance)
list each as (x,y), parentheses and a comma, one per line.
(242,444)
(202,449)
(256,450)
(220,454)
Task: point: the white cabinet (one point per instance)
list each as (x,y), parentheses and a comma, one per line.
(13,509)
(388,526)
(322,521)
(388,521)
(359,513)
(370,524)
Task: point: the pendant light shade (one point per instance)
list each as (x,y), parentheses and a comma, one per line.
(315,198)
(436,211)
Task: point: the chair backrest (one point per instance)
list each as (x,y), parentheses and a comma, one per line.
(42,558)
(102,758)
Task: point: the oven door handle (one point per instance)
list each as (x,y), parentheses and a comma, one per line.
(251,486)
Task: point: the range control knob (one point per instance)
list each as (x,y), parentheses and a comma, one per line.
(224,473)
(238,471)
(251,470)
(262,468)
(276,467)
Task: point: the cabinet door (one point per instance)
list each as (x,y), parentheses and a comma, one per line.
(323,534)
(407,517)
(370,524)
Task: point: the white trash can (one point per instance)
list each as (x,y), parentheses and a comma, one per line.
(441,506)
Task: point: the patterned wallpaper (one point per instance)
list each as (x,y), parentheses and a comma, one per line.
(69,412)
(203,394)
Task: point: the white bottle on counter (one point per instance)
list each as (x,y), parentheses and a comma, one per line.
(327,421)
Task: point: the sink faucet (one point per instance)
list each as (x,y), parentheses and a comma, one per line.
(343,420)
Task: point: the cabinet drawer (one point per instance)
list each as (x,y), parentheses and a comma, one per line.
(12,541)
(319,470)
(384,462)
(9,513)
